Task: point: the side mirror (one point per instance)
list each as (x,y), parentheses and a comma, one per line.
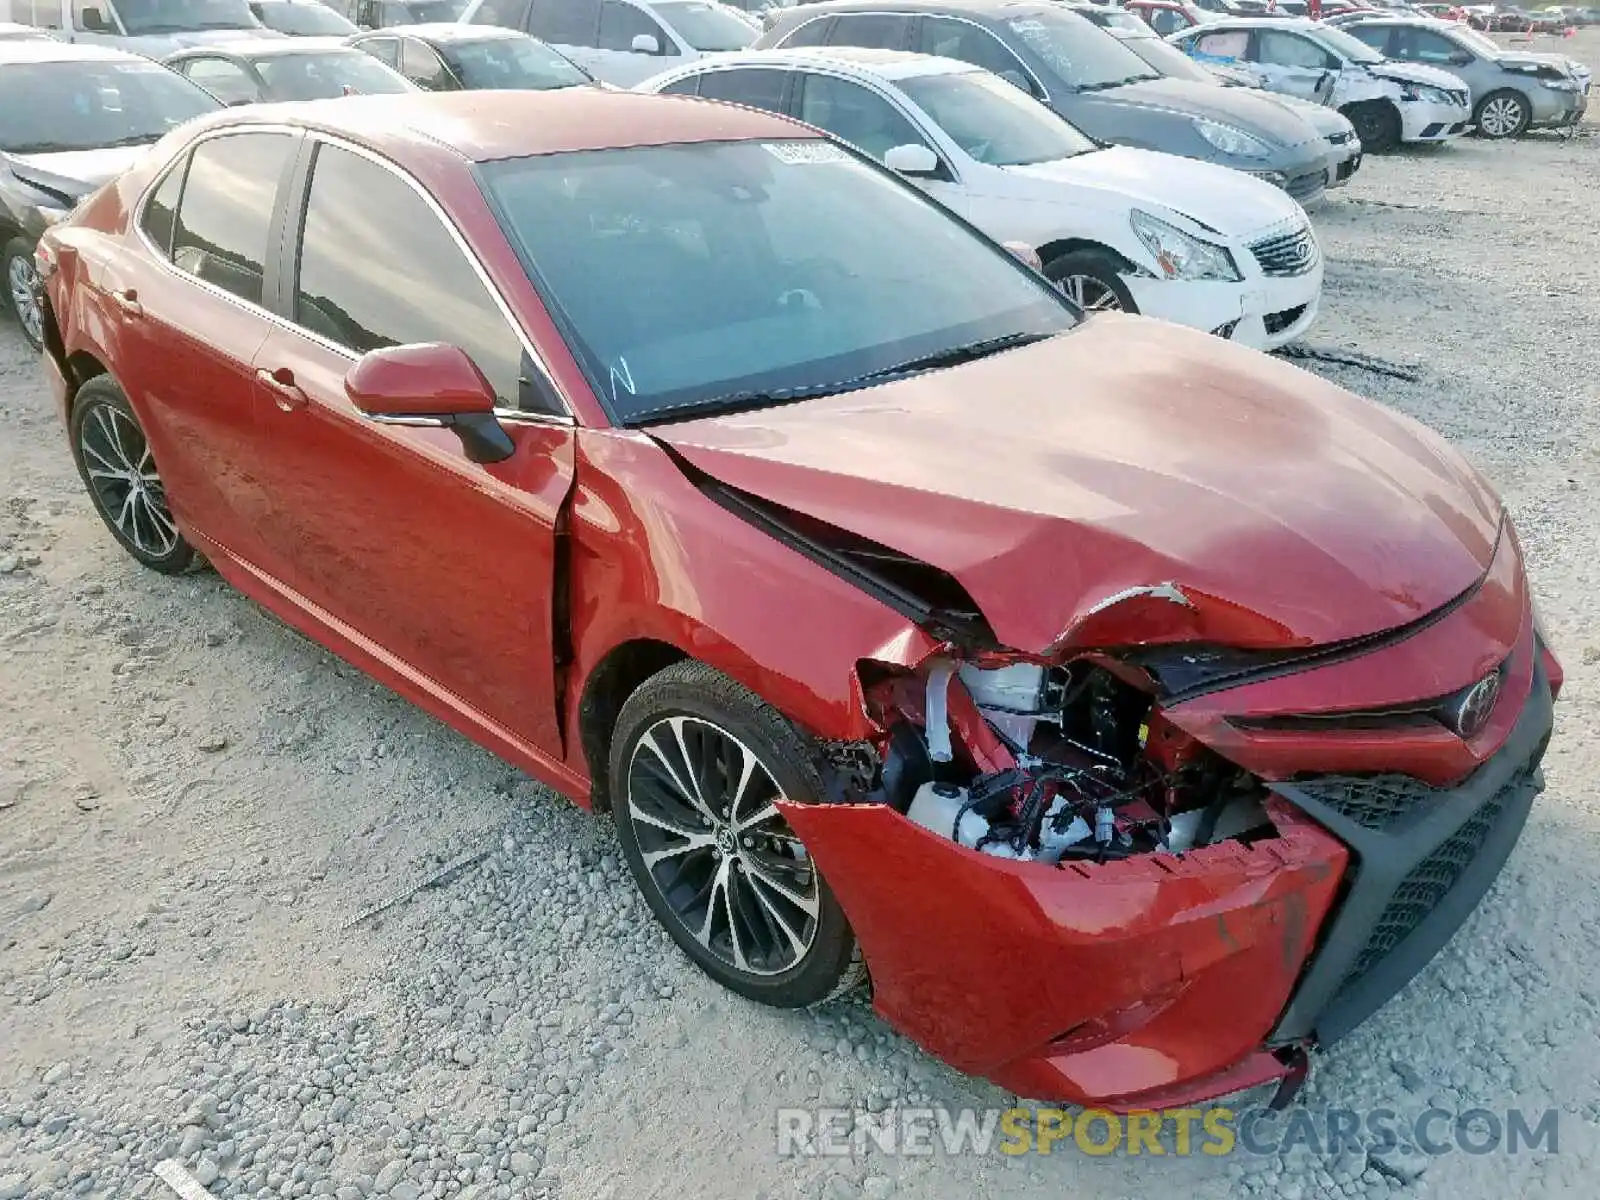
(645,43)
(94,21)
(911,159)
(1461,59)
(431,385)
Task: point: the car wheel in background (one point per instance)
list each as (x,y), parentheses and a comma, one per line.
(696,763)
(22,280)
(1377,124)
(120,472)
(1090,280)
(1503,114)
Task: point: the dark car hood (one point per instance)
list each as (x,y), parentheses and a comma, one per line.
(1230,106)
(73,174)
(1056,479)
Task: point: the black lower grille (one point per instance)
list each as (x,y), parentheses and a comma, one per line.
(1279,321)
(1432,130)
(1371,801)
(1307,187)
(1346,169)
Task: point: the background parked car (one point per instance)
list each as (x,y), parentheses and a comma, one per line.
(10,31)
(293,69)
(71,117)
(622,41)
(1084,74)
(154,28)
(1116,228)
(1387,102)
(449,58)
(301,18)
(1512,90)
(1343,146)
(384,14)
(1167,16)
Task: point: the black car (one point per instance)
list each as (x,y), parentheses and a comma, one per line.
(301,18)
(449,58)
(71,118)
(1082,73)
(263,71)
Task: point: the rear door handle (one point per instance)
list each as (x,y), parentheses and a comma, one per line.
(128,301)
(286,394)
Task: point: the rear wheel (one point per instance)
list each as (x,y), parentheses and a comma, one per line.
(1502,114)
(118,468)
(1090,280)
(697,762)
(22,282)
(1377,124)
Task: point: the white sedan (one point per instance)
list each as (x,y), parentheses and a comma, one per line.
(1115,227)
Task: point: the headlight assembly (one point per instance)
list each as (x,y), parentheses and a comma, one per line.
(1180,255)
(1232,141)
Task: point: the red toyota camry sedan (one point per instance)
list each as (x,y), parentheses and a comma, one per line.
(1137,711)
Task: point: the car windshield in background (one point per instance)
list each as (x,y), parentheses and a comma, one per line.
(1478,41)
(1116,19)
(141,17)
(1343,43)
(725,275)
(305,20)
(60,106)
(1086,59)
(327,74)
(709,27)
(512,63)
(1166,58)
(994,121)
(441,12)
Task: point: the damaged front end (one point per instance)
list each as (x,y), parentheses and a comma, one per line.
(1056,887)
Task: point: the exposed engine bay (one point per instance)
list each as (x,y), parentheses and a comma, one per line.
(1050,764)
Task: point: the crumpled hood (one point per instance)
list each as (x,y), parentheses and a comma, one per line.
(74,173)
(1230,106)
(1521,58)
(1128,454)
(1413,73)
(1220,198)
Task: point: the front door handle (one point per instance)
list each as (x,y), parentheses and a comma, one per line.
(286,394)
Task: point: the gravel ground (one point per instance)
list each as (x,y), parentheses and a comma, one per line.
(197,805)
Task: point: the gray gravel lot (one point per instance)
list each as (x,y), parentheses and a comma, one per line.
(195,805)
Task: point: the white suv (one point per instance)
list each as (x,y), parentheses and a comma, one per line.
(1192,242)
(622,41)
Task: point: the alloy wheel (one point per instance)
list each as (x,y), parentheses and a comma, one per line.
(713,843)
(1501,116)
(124,481)
(1089,293)
(23,281)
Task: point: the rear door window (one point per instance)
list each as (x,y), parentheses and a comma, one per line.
(565,22)
(876,31)
(225,216)
(756,87)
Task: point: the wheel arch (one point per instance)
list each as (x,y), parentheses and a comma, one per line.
(1070,245)
(618,674)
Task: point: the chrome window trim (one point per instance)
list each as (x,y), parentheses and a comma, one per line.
(282,322)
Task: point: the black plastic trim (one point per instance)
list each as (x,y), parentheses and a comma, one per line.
(1323,1006)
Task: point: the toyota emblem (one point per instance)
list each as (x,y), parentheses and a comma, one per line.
(1471,713)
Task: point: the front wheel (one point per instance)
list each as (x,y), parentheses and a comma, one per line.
(1502,114)
(22,284)
(697,764)
(1377,125)
(1090,280)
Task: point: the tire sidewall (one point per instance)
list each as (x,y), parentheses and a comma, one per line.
(103,392)
(1377,124)
(677,692)
(1504,94)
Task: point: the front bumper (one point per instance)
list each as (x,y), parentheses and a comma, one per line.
(1433,121)
(1556,108)
(1262,312)
(1344,160)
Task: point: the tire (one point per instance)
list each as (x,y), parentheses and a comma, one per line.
(791,945)
(1502,114)
(109,446)
(1377,124)
(20,279)
(1090,280)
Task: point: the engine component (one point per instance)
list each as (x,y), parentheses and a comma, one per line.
(938,710)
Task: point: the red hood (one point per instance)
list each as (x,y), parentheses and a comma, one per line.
(1127,454)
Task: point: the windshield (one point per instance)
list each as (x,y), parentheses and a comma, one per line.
(326,75)
(303,20)
(1345,44)
(176,16)
(994,121)
(55,107)
(1119,20)
(1166,58)
(707,26)
(520,62)
(1083,57)
(430,12)
(710,276)
(1477,40)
